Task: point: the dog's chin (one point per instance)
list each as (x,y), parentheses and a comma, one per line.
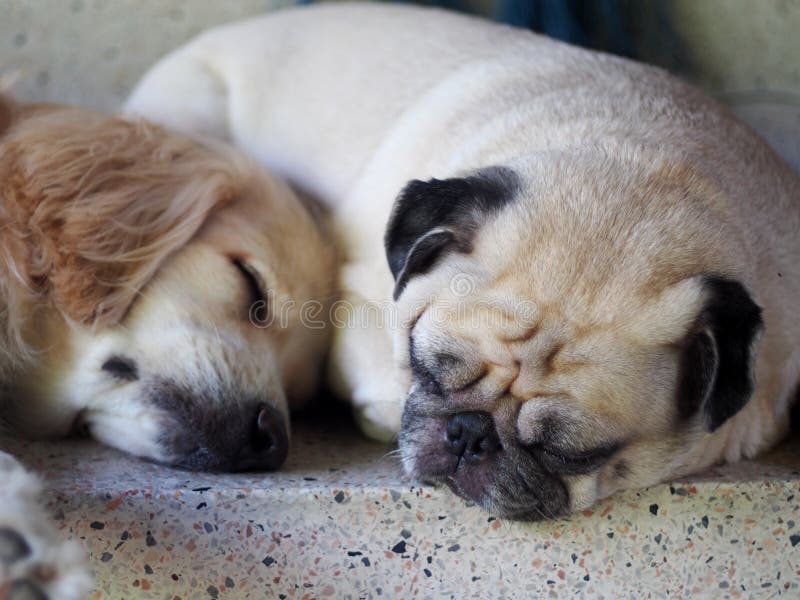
(157,440)
(509,485)
(138,435)
(168,439)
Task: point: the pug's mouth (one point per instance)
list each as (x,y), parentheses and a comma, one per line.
(465,454)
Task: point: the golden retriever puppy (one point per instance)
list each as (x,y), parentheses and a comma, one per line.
(152,294)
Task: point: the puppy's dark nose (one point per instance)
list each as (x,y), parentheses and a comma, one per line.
(268,444)
(472,436)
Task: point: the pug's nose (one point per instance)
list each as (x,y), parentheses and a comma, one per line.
(268,445)
(472,436)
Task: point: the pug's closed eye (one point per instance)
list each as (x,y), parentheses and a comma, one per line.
(427,377)
(445,371)
(570,462)
(455,373)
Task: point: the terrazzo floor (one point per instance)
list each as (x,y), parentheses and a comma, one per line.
(340,520)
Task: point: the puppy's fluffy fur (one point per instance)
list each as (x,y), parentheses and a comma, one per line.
(649,237)
(91,208)
(150,294)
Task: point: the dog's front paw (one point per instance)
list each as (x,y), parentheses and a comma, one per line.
(361,368)
(35,563)
(13,547)
(378,420)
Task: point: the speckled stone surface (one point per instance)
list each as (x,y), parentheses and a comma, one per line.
(342,521)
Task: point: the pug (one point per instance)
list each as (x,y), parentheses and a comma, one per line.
(592,267)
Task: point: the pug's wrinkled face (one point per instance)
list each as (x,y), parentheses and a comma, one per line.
(570,330)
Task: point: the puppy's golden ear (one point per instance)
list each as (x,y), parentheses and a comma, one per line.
(106,201)
(431,218)
(718,362)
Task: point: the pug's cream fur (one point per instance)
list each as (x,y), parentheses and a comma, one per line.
(652,235)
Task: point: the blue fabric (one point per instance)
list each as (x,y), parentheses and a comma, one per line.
(624,27)
(599,24)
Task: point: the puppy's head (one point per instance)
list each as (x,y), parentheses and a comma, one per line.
(172,279)
(572,326)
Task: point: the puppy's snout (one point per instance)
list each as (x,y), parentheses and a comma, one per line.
(472,436)
(268,444)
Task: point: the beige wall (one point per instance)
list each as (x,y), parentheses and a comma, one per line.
(742,44)
(92,51)
(747,54)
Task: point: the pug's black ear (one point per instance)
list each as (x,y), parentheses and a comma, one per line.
(718,362)
(432,218)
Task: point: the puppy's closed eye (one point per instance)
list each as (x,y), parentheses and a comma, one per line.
(258,306)
(255,282)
